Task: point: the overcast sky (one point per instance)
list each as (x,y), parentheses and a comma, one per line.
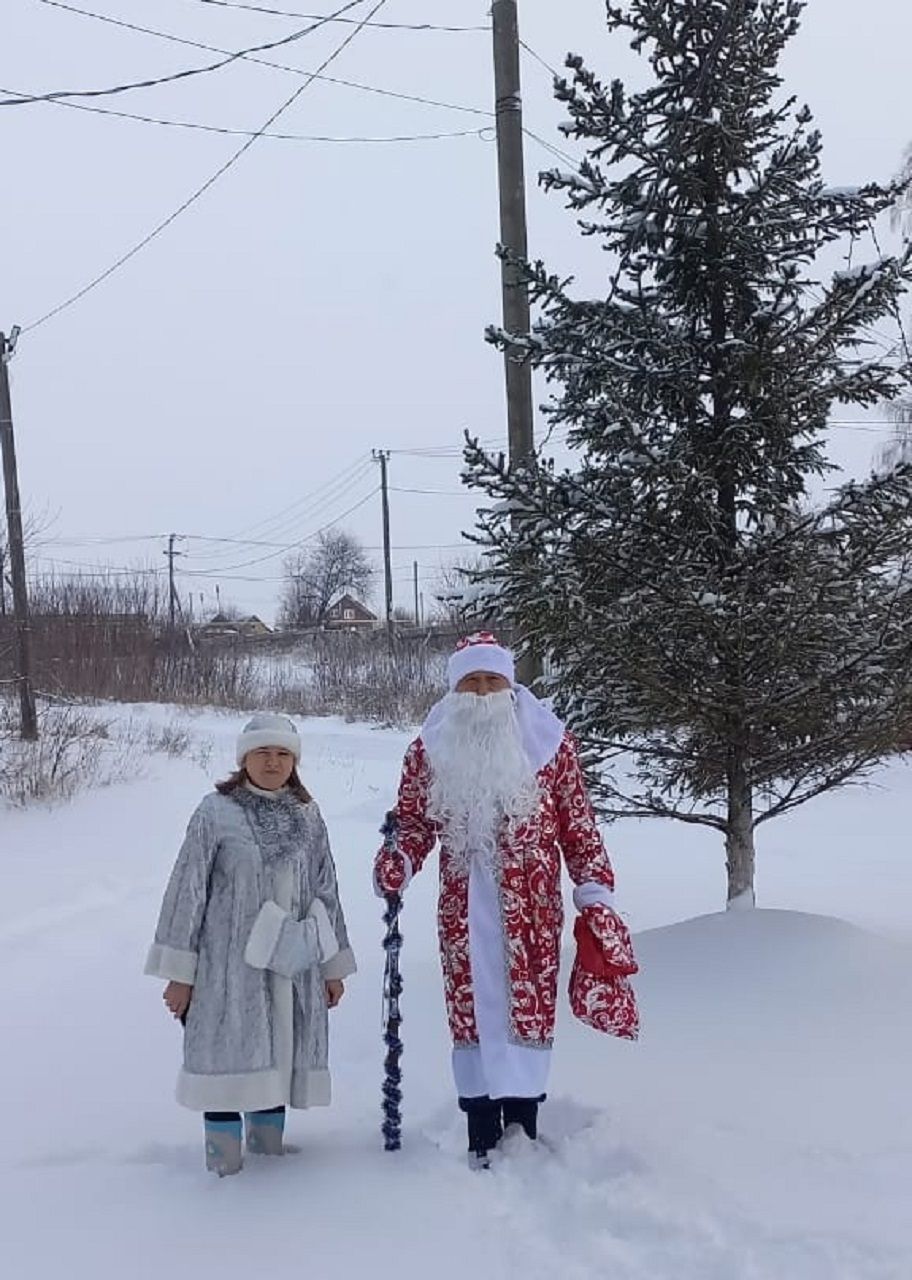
(322,299)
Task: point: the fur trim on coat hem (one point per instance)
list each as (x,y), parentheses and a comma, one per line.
(254,1091)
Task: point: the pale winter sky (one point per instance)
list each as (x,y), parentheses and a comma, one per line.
(322,299)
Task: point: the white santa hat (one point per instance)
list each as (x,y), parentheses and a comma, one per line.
(266,730)
(480,652)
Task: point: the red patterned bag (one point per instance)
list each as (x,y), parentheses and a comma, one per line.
(600,990)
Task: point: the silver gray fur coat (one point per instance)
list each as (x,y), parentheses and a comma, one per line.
(252,918)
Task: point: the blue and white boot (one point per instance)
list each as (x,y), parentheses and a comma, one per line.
(223,1147)
(265,1132)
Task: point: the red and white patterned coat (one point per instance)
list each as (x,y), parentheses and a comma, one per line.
(530,897)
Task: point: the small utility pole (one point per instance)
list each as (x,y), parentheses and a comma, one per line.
(417,611)
(514,238)
(382,456)
(173,600)
(28,715)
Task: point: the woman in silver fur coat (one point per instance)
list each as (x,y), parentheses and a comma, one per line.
(252,943)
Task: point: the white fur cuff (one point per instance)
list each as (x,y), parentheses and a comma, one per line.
(341,966)
(326,934)
(264,935)
(171,964)
(592,894)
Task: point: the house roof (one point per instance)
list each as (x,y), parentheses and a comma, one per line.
(349,602)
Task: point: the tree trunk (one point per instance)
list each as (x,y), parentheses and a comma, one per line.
(739,835)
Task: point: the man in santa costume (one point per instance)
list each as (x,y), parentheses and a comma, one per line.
(494,776)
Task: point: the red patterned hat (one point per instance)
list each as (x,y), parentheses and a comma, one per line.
(480,652)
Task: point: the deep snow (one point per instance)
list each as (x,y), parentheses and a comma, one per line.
(760,1129)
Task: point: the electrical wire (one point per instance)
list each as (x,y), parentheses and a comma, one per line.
(186,74)
(297,71)
(103,571)
(284,529)
(556,75)
(281,66)
(439,493)
(336,484)
(200,191)
(552,149)
(250,133)
(244,564)
(382,26)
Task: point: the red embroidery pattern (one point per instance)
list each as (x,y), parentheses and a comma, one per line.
(530,897)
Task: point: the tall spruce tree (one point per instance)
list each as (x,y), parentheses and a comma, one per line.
(725,649)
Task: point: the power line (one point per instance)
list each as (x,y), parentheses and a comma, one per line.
(186,74)
(537,57)
(284,528)
(297,71)
(210,182)
(102,571)
(309,538)
(251,133)
(282,66)
(382,26)
(336,486)
(440,493)
(551,148)
(90,569)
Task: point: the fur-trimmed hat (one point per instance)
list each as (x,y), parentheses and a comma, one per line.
(480,652)
(266,730)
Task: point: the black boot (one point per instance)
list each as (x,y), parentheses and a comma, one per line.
(521,1111)
(485,1129)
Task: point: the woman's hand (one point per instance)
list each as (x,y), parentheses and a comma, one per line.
(335,990)
(177,997)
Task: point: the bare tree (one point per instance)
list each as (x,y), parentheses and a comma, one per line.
(315,578)
(456,595)
(34,527)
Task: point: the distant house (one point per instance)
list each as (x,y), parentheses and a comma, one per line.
(222,628)
(349,614)
(254,626)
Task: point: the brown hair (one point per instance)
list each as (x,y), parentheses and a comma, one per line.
(240,778)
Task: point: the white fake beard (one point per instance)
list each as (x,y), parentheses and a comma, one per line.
(481,777)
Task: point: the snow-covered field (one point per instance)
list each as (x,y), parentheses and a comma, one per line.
(761,1130)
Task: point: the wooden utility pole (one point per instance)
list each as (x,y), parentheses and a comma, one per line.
(28,715)
(382,456)
(417,610)
(173,599)
(514,238)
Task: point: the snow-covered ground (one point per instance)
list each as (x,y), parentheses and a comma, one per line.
(761,1130)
